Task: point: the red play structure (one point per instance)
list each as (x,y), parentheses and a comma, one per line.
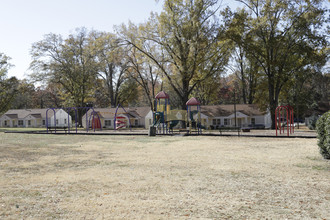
(96,123)
(281,121)
(120,123)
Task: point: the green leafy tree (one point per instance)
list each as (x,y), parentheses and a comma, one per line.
(207,92)
(284,37)
(112,66)
(247,74)
(69,63)
(25,97)
(8,86)
(188,37)
(141,68)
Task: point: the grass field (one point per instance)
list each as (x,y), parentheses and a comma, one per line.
(140,177)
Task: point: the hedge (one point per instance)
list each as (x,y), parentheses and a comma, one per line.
(323,134)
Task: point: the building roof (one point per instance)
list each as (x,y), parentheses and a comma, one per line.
(12,116)
(133,112)
(227,110)
(22,113)
(37,115)
(141,112)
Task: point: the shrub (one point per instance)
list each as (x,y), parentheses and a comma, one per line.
(312,122)
(323,134)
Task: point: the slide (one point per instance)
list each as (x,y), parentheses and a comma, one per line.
(119,123)
(157,122)
(173,123)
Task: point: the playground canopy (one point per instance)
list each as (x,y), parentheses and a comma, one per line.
(193,101)
(162,95)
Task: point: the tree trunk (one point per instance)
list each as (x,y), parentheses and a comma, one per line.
(243,81)
(185,95)
(272,100)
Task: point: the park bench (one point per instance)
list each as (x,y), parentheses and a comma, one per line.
(224,129)
(58,128)
(184,130)
(246,129)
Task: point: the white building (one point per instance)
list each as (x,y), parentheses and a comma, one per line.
(212,117)
(135,116)
(35,118)
(247,115)
(216,116)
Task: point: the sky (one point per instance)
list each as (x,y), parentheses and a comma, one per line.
(24,22)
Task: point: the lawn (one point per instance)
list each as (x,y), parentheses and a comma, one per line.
(140,177)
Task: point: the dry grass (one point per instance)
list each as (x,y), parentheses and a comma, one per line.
(127,177)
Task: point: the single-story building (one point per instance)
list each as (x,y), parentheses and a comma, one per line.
(247,115)
(106,117)
(212,117)
(35,118)
(215,116)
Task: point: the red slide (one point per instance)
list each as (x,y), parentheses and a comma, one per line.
(119,123)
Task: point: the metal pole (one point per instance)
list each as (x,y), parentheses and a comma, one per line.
(235,106)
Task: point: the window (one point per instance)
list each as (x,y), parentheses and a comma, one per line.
(20,122)
(5,123)
(57,121)
(29,122)
(218,121)
(214,121)
(253,121)
(136,123)
(43,122)
(107,123)
(225,121)
(65,121)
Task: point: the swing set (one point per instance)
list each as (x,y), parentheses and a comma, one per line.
(281,121)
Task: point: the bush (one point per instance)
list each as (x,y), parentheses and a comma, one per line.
(312,122)
(323,134)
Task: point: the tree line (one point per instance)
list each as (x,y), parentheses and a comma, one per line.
(267,52)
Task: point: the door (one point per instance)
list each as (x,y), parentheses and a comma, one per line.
(239,122)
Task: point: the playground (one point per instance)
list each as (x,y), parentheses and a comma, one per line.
(165,121)
(164,177)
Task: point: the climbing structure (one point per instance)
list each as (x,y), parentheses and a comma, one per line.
(165,119)
(162,107)
(284,117)
(120,121)
(194,115)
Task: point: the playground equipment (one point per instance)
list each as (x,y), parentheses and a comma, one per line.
(192,122)
(165,119)
(49,125)
(120,121)
(96,120)
(162,106)
(281,121)
(92,121)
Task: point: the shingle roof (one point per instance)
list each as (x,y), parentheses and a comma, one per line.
(226,110)
(134,112)
(208,110)
(141,111)
(36,115)
(22,113)
(12,116)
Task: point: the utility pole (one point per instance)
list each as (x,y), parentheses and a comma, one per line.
(235,107)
